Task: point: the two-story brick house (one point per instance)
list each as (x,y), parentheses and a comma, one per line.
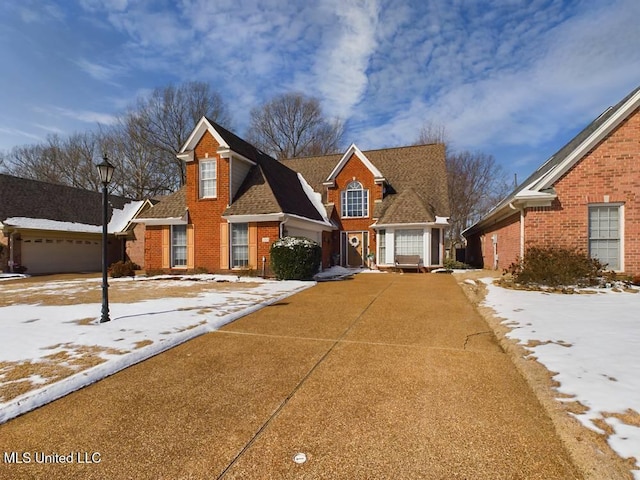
(238,200)
(586,196)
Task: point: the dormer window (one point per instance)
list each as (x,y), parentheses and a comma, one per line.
(355,200)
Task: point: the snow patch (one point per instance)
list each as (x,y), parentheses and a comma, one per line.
(592,341)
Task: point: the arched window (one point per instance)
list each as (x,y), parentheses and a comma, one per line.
(355,200)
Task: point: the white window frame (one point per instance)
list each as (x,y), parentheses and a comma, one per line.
(381,240)
(349,205)
(620,233)
(239,247)
(174,246)
(399,246)
(207,180)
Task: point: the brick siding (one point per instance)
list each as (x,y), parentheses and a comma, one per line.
(609,173)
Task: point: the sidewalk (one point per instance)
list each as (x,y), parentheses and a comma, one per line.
(382,376)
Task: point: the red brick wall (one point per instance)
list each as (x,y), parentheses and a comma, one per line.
(135,248)
(355,169)
(206,216)
(205,213)
(481,247)
(153,248)
(609,173)
(270,230)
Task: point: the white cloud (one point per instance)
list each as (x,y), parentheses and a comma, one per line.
(97,71)
(85,116)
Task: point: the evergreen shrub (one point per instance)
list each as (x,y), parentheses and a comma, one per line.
(295,258)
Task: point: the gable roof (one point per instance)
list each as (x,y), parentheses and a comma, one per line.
(170,207)
(419,168)
(274,187)
(537,189)
(351,151)
(269,188)
(34,204)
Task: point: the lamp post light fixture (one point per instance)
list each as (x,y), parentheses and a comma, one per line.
(105,169)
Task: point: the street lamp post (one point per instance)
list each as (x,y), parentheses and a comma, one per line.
(105,169)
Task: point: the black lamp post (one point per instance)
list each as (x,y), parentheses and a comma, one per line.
(105,169)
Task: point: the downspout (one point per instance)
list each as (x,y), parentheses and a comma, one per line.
(12,241)
(282,226)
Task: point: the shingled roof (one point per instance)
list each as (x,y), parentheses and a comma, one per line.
(21,197)
(173,205)
(270,184)
(273,186)
(540,182)
(418,170)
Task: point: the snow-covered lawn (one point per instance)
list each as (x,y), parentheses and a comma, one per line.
(55,346)
(593,342)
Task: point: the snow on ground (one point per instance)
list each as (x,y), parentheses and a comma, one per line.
(593,342)
(137,331)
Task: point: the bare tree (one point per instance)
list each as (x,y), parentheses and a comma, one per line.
(476,184)
(163,121)
(67,161)
(292,125)
(432,132)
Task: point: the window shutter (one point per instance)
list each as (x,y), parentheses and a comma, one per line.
(253,245)
(224,246)
(190,249)
(166,244)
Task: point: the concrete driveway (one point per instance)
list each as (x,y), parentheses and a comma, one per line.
(383,376)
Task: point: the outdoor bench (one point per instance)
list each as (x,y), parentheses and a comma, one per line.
(408,261)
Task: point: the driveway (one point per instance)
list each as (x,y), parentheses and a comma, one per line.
(382,376)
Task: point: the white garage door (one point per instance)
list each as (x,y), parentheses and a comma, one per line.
(56,255)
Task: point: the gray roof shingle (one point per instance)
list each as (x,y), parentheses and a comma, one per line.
(21,197)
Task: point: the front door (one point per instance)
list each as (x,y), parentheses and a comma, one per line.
(354,248)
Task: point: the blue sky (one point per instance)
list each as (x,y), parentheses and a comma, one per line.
(514,79)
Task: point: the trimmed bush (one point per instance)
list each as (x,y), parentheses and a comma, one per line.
(555,266)
(451,264)
(295,258)
(122,269)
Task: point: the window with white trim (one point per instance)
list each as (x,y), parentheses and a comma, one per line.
(355,200)
(208,179)
(410,242)
(604,234)
(239,245)
(382,246)
(178,245)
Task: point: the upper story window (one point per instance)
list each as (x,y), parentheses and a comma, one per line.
(355,200)
(208,179)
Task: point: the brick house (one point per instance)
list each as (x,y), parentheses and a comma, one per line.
(238,200)
(586,196)
(49,228)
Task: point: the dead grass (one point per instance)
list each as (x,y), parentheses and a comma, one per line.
(628,417)
(588,449)
(142,343)
(17,378)
(62,292)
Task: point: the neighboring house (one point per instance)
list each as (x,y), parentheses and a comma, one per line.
(238,200)
(586,196)
(51,228)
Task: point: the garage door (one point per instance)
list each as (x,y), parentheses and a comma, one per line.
(56,255)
